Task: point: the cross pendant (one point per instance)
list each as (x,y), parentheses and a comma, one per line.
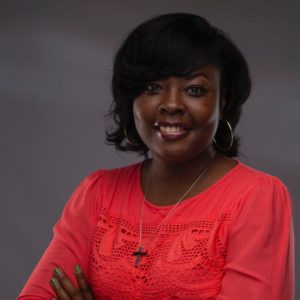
(138,255)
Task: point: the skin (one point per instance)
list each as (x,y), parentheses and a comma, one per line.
(64,289)
(175,163)
(194,100)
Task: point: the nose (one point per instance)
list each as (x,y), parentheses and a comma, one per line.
(172,104)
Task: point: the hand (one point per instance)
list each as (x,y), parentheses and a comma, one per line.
(66,290)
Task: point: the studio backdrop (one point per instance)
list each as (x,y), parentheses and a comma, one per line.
(55,71)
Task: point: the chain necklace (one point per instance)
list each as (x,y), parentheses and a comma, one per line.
(140,252)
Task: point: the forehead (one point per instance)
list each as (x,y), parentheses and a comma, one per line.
(209,72)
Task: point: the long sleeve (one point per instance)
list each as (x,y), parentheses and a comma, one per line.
(260,253)
(70,243)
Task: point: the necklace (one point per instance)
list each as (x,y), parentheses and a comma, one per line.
(140,252)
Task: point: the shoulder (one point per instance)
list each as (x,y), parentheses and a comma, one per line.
(260,189)
(114,187)
(264,203)
(124,171)
(257,179)
(107,182)
(111,174)
(100,184)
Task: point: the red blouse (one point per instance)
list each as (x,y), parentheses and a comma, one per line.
(232,241)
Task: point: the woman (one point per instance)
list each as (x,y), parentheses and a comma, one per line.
(191,222)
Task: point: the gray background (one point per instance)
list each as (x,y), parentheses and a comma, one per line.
(55,70)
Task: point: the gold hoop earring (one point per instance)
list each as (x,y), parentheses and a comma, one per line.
(220,135)
(128,140)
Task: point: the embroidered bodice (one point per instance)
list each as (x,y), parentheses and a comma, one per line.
(182,259)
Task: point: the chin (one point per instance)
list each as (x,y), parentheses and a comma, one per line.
(175,156)
(180,154)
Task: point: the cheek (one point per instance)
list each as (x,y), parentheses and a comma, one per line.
(213,121)
(137,115)
(141,108)
(207,118)
(136,110)
(141,117)
(207,114)
(213,118)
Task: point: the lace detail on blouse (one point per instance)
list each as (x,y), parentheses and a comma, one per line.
(184,261)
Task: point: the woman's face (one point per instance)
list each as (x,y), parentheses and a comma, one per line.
(177,117)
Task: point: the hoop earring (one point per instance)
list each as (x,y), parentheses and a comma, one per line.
(128,140)
(221,136)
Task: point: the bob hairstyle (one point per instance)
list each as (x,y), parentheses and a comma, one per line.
(175,45)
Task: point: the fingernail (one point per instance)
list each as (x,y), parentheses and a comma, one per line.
(54,282)
(77,269)
(58,271)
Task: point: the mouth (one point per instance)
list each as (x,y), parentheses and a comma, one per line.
(171,131)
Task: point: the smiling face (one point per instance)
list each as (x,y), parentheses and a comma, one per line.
(177,117)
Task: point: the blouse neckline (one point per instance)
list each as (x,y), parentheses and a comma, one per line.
(187,200)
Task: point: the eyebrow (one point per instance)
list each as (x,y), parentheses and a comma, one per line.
(194,75)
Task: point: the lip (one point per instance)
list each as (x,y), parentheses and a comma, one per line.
(172,135)
(183,125)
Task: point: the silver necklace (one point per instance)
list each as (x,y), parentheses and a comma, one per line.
(141,252)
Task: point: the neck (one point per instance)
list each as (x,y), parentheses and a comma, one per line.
(176,176)
(174,170)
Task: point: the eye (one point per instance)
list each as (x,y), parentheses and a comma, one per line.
(153,89)
(196,90)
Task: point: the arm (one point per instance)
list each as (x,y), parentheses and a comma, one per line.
(260,255)
(71,239)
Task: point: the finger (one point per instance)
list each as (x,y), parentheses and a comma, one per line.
(84,287)
(58,289)
(71,290)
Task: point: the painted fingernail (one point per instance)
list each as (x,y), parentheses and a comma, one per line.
(58,271)
(54,282)
(77,269)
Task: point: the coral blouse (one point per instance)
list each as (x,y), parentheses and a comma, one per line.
(232,241)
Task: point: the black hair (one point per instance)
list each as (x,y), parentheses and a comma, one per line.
(174,44)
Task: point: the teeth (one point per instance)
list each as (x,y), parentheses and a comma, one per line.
(170,128)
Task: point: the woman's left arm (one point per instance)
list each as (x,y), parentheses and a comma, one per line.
(260,252)
(70,242)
